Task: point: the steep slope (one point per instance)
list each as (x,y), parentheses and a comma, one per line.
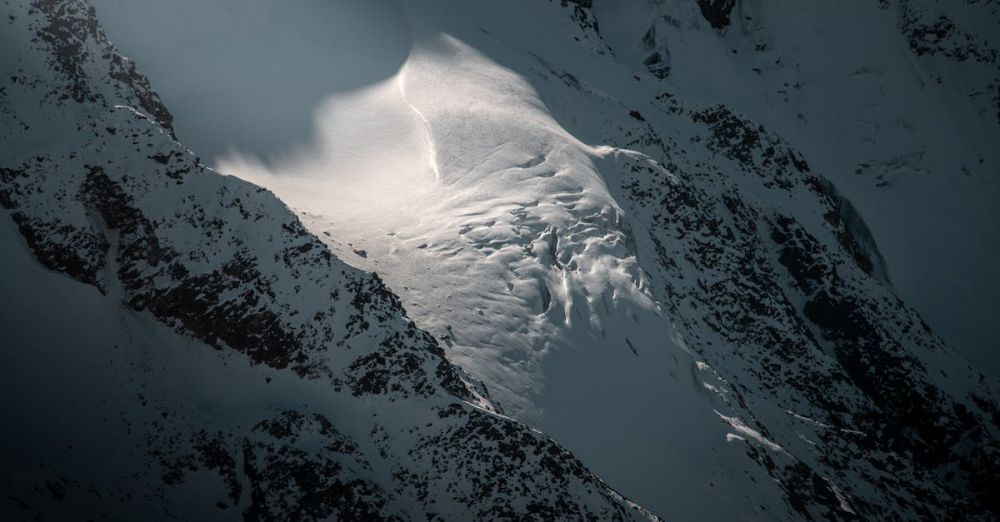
(774,278)
(579,202)
(501,234)
(320,398)
(894,101)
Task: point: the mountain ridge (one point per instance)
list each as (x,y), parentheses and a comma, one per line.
(199,270)
(681,297)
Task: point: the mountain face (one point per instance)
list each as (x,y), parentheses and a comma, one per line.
(233,364)
(687,240)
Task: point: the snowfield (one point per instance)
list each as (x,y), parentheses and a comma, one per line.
(690,244)
(846,100)
(499,231)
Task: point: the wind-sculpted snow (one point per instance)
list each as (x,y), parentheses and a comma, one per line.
(320,399)
(628,224)
(508,246)
(547,265)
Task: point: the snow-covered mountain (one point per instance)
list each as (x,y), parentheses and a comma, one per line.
(689,241)
(206,356)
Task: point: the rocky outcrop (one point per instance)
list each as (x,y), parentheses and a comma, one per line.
(773,277)
(806,305)
(717,12)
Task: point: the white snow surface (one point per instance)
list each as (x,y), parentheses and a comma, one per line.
(431,159)
(113,402)
(452,181)
(496,227)
(924,180)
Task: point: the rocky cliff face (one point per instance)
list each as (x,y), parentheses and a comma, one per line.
(99,191)
(789,305)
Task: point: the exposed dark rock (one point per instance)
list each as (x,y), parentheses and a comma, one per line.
(717,12)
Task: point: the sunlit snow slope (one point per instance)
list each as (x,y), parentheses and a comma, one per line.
(498,229)
(178,346)
(594,233)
